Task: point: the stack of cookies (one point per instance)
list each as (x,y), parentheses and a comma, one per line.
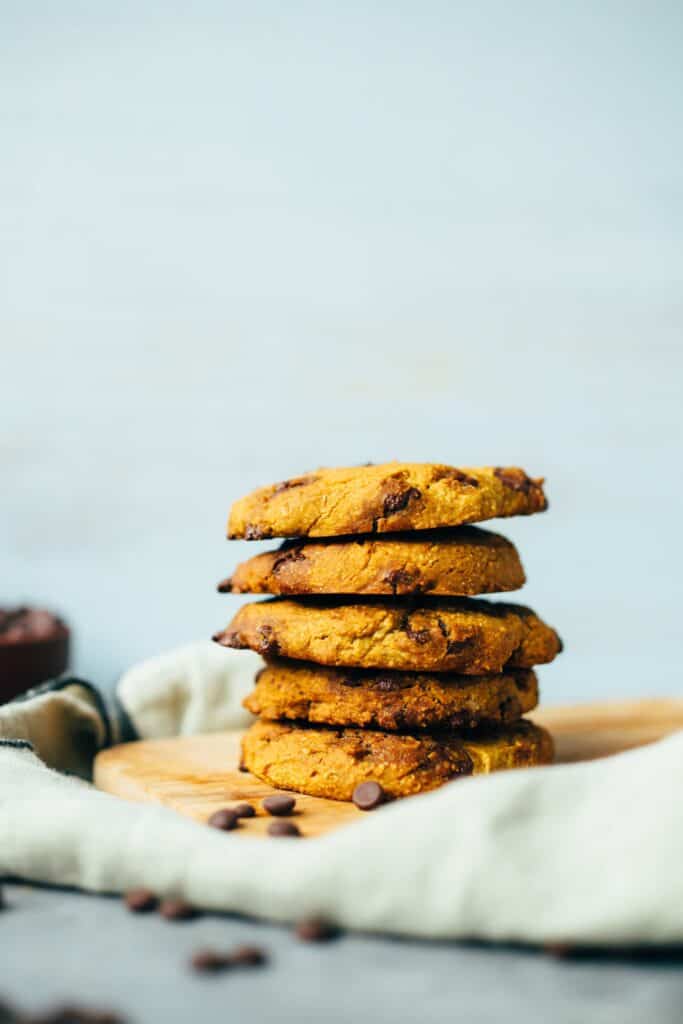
(381,667)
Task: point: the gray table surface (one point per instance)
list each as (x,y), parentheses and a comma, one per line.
(68,947)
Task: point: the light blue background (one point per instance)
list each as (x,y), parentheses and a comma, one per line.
(242,240)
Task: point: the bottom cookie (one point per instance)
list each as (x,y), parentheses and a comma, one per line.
(329,762)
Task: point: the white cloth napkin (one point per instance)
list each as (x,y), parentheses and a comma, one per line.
(586,853)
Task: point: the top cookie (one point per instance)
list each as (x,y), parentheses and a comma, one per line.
(384,499)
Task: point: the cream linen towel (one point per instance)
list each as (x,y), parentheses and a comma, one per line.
(586,853)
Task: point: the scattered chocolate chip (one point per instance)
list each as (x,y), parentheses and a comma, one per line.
(368,795)
(177,910)
(248,956)
(225,819)
(315,929)
(140,901)
(225,586)
(71,1015)
(244,810)
(206,961)
(280,806)
(283,828)
(242,767)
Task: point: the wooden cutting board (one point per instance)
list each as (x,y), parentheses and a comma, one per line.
(197,775)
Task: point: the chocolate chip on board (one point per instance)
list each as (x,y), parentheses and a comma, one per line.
(140,901)
(315,929)
(177,910)
(244,810)
(368,795)
(283,828)
(280,806)
(225,819)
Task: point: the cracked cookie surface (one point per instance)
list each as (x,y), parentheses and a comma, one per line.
(383,499)
(427,634)
(390,700)
(462,561)
(331,762)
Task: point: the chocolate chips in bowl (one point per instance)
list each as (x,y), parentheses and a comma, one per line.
(34,647)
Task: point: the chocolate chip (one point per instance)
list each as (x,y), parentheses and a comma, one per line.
(315,929)
(418,636)
(283,828)
(206,961)
(177,910)
(458,476)
(398,500)
(248,956)
(242,767)
(514,478)
(288,555)
(225,819)
(280,806)
(266,641)
(244,810)
(299,481)
(71,1015)
(225,586)
(140,901)
(402,582)
(368,795)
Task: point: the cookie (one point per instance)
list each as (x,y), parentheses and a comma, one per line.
(428,635)
(390,700)
(384,499)
(329,762)
(461,561)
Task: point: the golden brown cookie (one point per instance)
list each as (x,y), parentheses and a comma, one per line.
(331,762)
(386,699)
(426,635)
(384,499)
(465,560)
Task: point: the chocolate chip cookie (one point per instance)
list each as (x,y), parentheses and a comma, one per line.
(425,635)
(464,561)
(390,700)
(384,499)
(329,762)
